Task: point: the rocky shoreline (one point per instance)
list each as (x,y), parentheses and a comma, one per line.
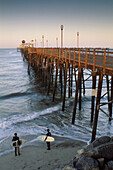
(96,156)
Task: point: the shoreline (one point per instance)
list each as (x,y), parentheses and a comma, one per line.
(37,157)
(32,140)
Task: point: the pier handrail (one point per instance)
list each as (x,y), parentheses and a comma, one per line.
(92,58)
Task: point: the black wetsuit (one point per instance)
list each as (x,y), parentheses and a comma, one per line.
(48,143)
(16,138)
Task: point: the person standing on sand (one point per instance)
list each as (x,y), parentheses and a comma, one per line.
(16,144)
(48,143)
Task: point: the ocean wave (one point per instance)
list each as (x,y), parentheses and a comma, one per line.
(12,95)
(13,51)
(6,152)
(15,119)
(5,138)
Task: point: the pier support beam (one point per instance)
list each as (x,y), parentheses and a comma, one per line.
(47,65)
(71,79)
(107,82)
(110,114)
(108,90)
(76,94)
(57,65)
(61,77)
(97,106)
(80,88)
(83,82)
(49,81)
(29,64)
(52,70)
(65,82)
(93,95)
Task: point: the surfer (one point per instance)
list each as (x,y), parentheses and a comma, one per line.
(48,143)
(16,144)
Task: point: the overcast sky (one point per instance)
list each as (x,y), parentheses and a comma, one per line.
(30,19)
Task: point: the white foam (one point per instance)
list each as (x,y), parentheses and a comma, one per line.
(6,123)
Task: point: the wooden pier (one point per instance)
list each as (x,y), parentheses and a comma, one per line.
(64,68)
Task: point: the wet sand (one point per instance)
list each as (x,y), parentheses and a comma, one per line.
(37,157)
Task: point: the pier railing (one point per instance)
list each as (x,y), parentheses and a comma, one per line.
(89,58)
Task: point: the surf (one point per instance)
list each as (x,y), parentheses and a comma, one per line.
(21,118)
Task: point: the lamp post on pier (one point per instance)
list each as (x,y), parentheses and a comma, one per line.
(47,43)
(62,36)
(57,42)
(42,41)
(77,39)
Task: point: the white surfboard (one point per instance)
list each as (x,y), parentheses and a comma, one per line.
(49,138)
(22,141)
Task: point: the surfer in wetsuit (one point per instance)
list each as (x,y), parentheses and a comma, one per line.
(16,138)
(48,143)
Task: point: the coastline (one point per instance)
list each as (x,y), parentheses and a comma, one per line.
(37,157)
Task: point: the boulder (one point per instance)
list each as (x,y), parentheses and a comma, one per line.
(96,156)
(98,142)
(110,165)
(68,168)
(103,151)
(87,163)
(101,163)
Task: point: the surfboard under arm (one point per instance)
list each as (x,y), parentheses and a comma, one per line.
(22,141)
(49,138)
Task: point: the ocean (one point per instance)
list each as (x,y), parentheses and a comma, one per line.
(26,109)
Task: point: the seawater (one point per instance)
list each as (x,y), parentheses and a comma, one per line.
(26,109)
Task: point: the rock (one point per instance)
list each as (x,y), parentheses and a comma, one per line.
(87,163)
(112,138)
(101,163)
(101,140)
(98,142)
(102,151)
(60,167)
(81,151)
(75,161)
(105,167)
(110,165)
(95,156)
(68,168)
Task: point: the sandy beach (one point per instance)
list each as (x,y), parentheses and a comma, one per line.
(37,157)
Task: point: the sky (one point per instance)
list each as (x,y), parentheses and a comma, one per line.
(30,19)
